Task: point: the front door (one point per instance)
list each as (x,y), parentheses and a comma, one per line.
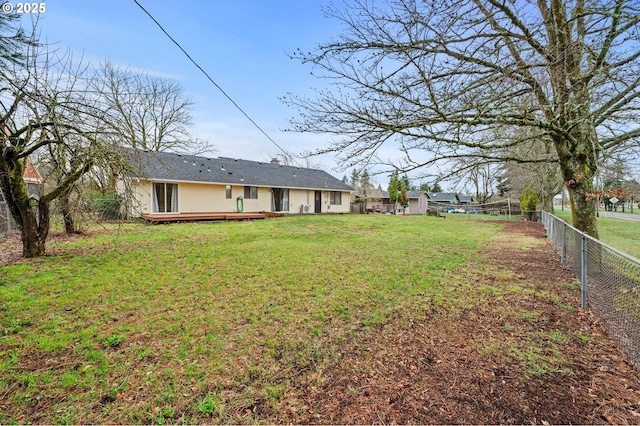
(276,204)
(318,206)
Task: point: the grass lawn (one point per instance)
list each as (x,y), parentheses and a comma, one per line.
(216,322)
(619,233)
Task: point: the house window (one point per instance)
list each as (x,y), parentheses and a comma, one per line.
(251,192)
(165,198)
(228,192)
(335,197)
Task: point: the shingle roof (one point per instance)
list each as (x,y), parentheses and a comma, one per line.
(443,197)
(191,168)
(30,174)
(416,194)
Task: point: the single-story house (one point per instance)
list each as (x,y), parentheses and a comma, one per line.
(167,183)
(467,199)
(377,201)
(444,198)
(442,201)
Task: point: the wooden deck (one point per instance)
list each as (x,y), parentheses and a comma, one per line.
(195,216)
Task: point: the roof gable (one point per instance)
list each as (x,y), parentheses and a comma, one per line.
(30,174)
(416,194)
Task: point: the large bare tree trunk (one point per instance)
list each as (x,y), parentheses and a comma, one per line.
(578,170)
(35,232)
(48,111)
(67,214)
(583,211)
(33,221)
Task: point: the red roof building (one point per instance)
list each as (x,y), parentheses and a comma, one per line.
(30,174)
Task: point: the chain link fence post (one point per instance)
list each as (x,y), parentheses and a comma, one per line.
(563,258)
(556,238)
(583,270)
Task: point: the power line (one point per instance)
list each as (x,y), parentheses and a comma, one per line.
(213,82)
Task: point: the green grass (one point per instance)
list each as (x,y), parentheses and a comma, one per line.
(619,233)
(187,323)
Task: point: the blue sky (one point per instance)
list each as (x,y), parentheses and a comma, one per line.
(242,44)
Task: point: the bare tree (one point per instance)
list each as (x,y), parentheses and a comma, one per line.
(44,103)
(482,177)
(59,162)
(148,112)
(435,77)
(545,178)
(143,112)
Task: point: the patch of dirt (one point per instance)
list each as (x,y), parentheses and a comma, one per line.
(11,245)
(10,249)
(434,371)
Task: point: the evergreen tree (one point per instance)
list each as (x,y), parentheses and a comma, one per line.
(405,181)
(404,199)
(365,181)
(394,188)
(14,41)
(355,179)
(503,185)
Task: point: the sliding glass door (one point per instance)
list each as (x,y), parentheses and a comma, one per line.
(165,198)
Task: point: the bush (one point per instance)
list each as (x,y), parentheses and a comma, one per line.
(529,201)
(108,205)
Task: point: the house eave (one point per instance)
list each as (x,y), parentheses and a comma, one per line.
(240,184)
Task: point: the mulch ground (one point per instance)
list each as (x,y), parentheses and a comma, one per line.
(11,245)
(430,371)
(10,249)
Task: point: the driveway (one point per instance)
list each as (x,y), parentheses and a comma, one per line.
(620,215)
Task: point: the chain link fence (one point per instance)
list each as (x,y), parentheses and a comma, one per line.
(7,224)
(610,281)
